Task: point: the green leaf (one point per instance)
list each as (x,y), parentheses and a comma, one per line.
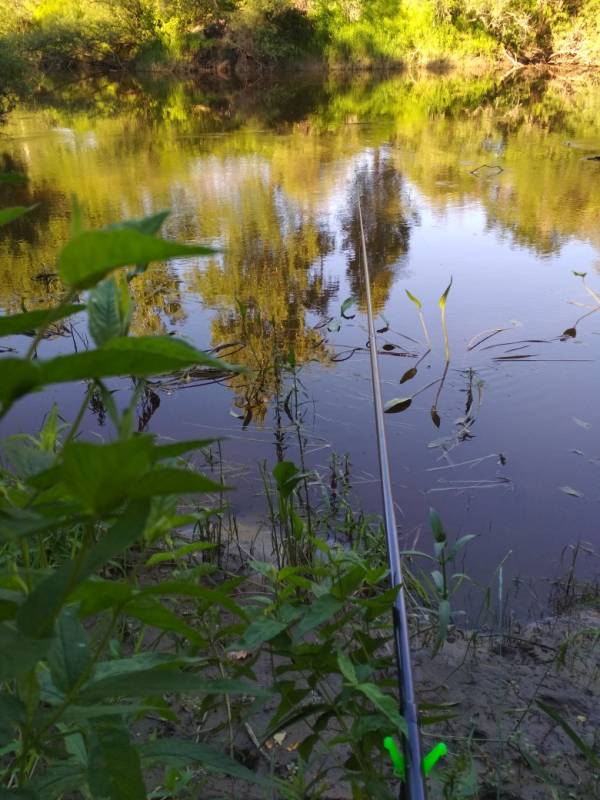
(101,476)
(444,297)
(323,608)
(17,377)
(148,225)
(287,476)
(25,456)
(443,622)
(347,668)
(178,752)
(177,449)
(58,780)
(69,656)
(19,653)
(91,255)
(459,544)
(414,299)
(114,764)
(149,611)
(436,526)
(384,703)
(162,681)
(109,311)
(30,321)
(37,614)
(183,588)
(258,632)
(12,177)
(9,214)
(166,481)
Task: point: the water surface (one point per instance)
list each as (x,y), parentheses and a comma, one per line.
(488,181)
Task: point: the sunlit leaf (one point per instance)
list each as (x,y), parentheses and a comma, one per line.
(444,297)
(414,299)
(346,305)
(91,255)
(9,214)
(109,311)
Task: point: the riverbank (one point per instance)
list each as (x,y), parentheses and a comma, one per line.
(255,38)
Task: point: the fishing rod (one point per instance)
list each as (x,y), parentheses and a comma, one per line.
(413,785)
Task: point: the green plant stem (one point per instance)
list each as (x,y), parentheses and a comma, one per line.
(80,414)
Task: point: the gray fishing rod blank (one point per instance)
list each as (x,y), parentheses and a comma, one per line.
(413,787)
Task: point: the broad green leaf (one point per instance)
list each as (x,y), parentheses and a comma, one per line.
(12,714)
(258,632)
(9,214)
(37,614)
(322,609)
(163,681)
(109,311)
(181,552)
(30,321)
(69,656)
(58,780)
(91,255)
(15,523)
(166,481)
(114,769)
(17,377)
(444,297)
(149,611)
(176,449)
(287,476)
(183,588)
(384,703)
(142,662)
(19,653)
(347,668)
(414,299)
(101,476)
(95,595)
(25,456)
(178,753)
(18,794)
(148,225)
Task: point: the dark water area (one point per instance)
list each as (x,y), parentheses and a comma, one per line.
(487,181)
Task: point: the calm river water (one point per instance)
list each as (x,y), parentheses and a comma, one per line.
(486,181)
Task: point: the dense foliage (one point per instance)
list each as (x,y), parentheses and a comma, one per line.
(247,35)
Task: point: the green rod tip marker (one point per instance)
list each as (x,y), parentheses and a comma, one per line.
(429,761)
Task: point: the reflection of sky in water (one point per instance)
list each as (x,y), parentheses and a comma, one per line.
(527,408)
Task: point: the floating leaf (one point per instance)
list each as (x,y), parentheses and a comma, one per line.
(435,416)
(414,299)
(571,491)
(397,404)
(570,332)
(579,274)
(389,347)
(334,326)
(409,375)
(386,325)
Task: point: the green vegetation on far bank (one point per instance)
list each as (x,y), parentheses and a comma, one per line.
(247,36)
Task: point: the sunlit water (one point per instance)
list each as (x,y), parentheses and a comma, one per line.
(272,176)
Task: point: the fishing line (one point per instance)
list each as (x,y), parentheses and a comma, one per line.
(413,785)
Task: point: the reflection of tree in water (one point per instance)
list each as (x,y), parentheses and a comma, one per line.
(380,188)
(271,275)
